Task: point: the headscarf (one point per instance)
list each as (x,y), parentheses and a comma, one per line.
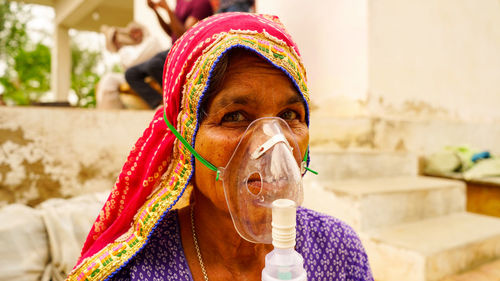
(159,167)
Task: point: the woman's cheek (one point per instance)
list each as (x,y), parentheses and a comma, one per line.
(220,147)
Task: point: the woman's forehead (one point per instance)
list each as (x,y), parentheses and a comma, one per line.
(241,60)
(246,74)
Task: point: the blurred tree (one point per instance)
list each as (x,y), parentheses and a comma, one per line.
(13,34)
(26,64)
(84,75)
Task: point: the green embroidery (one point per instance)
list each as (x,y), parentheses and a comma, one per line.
(154,207)
(94,272)
(290,62)
(199,78)
(248,41)
(264,49)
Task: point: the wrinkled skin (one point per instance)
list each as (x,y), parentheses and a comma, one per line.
(251,89)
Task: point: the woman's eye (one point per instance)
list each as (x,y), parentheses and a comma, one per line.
(233,117)
(289,115)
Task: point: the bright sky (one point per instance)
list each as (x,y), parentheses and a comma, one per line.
(42,26)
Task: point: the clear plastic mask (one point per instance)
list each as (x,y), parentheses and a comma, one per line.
(264,167)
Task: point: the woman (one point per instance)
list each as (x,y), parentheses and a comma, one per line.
(224,75)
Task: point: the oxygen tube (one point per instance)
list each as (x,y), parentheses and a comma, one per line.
(284,263)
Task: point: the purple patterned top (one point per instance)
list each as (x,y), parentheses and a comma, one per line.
(331,251)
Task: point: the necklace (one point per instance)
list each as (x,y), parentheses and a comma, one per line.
(198,253)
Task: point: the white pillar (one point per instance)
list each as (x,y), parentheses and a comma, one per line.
(60,76)
(333,39)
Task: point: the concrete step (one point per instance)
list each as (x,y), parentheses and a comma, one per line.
(486,272)
(340,165)
(373,203)
(395,134)
(432,249)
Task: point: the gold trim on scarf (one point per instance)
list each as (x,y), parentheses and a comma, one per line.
(109,259)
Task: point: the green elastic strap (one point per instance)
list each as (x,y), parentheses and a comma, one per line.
(190,148)
(305,160)
(203,160)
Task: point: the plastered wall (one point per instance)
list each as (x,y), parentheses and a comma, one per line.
(332,38)
(399,58)
(51,152)
(439,57)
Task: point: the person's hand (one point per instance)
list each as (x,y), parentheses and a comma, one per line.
(163,4)
(136,34)
(152,4)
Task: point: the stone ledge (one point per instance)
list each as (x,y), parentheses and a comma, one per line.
(435,248)
(487,272)
(342,165)
(63,152)
(380,202)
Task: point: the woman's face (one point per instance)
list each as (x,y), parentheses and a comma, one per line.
(252,89)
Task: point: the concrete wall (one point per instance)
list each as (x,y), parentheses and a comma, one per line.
(439,57)
(49,152)
(421,137)
(57,152)
(398,58)
(332,38)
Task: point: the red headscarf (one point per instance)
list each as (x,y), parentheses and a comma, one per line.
(159,168)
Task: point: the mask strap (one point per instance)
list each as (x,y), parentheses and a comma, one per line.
(190,148)
(305,160)
(203,160)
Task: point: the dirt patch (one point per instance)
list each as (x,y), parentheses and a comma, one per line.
(87,172)
(44,184)
(367,139)
(400,146)
(4,169)
(16,136)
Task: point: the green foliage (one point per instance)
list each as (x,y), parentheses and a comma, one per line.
(13,28)
(26,64)
(117,68)
(84,75)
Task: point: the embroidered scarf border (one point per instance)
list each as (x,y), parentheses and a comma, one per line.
(109,260)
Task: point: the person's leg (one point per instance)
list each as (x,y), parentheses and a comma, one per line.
(236,7)
(155,66)
(135,78)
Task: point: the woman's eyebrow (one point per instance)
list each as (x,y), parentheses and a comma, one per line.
(241,100)
(250,99)
(295,99)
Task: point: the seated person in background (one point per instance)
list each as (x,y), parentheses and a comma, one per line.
(187,13)
(236,6)
(230,73)
(134,45)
